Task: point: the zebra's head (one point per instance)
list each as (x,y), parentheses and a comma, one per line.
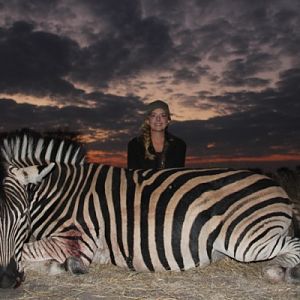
(16,186)
(26,158)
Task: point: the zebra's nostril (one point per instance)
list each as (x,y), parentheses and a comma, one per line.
(10,277)
(7,281)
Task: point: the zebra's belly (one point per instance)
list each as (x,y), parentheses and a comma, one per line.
(140,265)
(153,258)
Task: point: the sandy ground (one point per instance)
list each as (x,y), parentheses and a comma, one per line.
(226,279)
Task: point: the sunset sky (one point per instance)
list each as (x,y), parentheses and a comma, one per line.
(229,69)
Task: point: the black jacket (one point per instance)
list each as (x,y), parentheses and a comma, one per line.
(174,154)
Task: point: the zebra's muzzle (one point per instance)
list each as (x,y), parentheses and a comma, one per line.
(10,277)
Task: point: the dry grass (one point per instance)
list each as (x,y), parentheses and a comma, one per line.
(226,279)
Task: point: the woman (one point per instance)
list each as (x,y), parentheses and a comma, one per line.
(156,148)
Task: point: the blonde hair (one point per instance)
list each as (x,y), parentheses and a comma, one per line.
(146,133)
(146,130)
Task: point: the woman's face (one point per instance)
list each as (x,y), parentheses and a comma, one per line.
(158,120)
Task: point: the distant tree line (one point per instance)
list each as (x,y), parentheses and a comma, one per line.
(288,178)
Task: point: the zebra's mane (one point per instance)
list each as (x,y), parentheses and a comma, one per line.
(26,148)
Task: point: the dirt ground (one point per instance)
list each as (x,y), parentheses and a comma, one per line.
(226,279)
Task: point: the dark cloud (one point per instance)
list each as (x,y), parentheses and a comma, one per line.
(186,75)
(121,15)
(146,45)
(289,82)
(283,98)
(255,132)
(119,117)
(35,62)
(261,123)
(238,58)
(128,38)
(246,71)
(109,112)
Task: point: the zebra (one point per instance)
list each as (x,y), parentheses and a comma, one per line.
(58,208)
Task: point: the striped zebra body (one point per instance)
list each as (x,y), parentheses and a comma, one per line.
(172,219)
(142,218)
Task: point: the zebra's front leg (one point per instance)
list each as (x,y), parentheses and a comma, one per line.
(49,267)
(74,265)
(57,253)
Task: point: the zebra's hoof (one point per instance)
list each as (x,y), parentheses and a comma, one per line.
(292,275)
(75,265)
(274,273)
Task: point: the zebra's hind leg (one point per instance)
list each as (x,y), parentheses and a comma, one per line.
(286,265)
(275,273)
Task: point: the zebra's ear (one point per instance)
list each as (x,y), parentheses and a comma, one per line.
(32,174)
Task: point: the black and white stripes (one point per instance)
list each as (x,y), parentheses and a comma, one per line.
(144,220)
(176,219)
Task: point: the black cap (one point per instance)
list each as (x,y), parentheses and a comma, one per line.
(158,104)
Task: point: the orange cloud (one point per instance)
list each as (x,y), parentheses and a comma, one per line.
(120,159)
(269,158)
